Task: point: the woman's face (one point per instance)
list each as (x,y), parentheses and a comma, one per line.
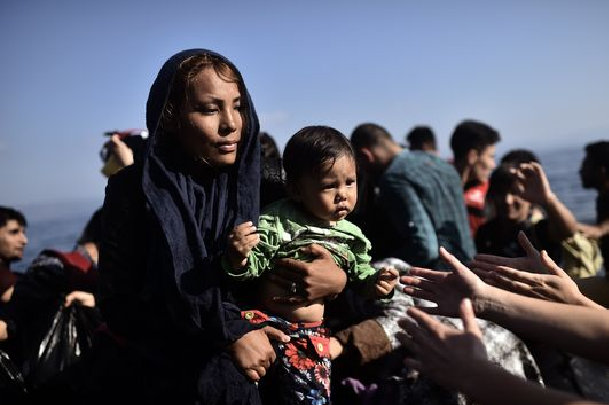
(211,121)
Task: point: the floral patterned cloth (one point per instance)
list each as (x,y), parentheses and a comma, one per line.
(301,373)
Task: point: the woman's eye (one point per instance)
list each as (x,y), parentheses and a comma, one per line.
(238,107)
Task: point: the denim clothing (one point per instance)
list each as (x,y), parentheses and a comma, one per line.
(423,196)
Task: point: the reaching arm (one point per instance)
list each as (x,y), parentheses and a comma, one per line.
(457,359)
(577,329)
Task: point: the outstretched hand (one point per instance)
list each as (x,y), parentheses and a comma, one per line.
(531,262)
(557,286)
(319,278)
(446,289)
(442,352)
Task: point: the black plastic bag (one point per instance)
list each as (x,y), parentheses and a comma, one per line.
(12,387)
(67,340)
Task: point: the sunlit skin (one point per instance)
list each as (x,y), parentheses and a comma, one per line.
(332,195)
(211,121)
(12,242)
(484,165)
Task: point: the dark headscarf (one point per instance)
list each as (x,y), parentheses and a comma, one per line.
(194,209)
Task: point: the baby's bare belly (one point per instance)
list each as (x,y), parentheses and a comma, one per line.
(311,311)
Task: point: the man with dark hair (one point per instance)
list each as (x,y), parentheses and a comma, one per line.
(420,196)
(473,145)
(422,138)
(12,243)
(594,174)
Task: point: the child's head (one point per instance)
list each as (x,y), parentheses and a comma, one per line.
(320,169)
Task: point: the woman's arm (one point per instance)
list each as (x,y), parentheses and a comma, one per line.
(457,359)
(577,329)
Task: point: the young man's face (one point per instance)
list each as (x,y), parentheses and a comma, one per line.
(483,163)
(12,241)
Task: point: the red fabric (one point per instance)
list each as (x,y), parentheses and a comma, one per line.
(475,201)
(81,273)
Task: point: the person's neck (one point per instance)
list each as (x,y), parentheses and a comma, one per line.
(5,263)
(464,171)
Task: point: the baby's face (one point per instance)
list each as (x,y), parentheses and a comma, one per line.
(331,196)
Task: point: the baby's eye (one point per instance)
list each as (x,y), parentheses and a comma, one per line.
(350,182)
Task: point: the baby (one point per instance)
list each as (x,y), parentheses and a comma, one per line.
(321,180)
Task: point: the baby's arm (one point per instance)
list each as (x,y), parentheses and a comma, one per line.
(386,281)
(241,241)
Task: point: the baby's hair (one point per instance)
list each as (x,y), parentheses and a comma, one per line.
(312,150)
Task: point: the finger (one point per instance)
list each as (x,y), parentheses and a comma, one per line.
(425,321)
(469,318)
(284,278)
(455,263)
(260,370)
(483,274)
(526,244)
(68,301)
(419,283)
(422,294)
(429,274)
(498,260)
(512,274)
(252,375)
(551,265)
(276,334)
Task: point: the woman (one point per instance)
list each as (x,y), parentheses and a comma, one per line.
(175,334)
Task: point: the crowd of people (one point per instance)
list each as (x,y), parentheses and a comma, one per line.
(345,270)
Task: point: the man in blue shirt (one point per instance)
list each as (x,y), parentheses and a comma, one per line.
(414,201)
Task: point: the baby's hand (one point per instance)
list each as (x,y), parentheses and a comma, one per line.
(241,241)
(386,281)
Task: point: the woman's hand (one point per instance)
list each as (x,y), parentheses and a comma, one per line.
(445,289)
(241,241)
(309,281)
(531,263)
(556,286)
(441,352)
(80,297)
(254,353)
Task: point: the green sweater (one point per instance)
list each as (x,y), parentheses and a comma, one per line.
(284,228)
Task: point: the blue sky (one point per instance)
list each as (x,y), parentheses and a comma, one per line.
(537,71)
